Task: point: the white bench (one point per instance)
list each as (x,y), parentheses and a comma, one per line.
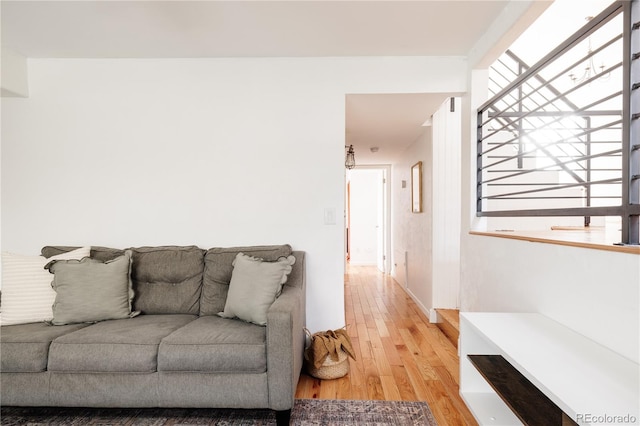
(590,383)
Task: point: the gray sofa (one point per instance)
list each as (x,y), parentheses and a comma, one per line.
(177,352)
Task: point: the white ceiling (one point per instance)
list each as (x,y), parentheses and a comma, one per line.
(244,28)
(389,122)
(194,29)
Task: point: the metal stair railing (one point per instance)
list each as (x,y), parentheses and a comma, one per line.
(573,155)
(581,140)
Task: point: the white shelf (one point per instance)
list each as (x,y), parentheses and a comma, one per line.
(488,409)
(580,376)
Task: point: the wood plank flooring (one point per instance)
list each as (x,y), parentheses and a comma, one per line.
(400,355)
(450,324)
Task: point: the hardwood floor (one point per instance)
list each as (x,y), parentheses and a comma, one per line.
(401,356)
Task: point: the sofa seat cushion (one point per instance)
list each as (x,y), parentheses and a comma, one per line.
(115,346)
(25,347)
(215,345)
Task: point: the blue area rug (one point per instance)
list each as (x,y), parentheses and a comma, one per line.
(306,412)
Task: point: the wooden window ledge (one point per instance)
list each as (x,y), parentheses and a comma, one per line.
(593,237)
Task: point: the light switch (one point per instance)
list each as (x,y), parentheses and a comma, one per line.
(329,216)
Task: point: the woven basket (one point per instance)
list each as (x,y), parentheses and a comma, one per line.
(330,368)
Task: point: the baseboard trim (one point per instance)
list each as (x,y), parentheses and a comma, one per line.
(431,314)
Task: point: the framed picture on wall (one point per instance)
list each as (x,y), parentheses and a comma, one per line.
(416,187)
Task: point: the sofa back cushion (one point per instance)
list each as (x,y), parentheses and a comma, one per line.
(103,254)
(167,279)
(218,266)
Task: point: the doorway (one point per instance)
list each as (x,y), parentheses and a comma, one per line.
(367,217)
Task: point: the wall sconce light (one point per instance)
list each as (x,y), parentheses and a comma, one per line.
(350,159)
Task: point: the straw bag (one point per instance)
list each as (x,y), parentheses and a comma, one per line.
(327,356)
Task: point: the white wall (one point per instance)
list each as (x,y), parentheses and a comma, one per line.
(427,245)
(412,232)
(13,74)
(212,152)
(594,292)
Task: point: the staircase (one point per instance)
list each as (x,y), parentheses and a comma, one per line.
(449,324)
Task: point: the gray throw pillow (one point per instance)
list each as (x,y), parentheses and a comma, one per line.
(255,285)
(89,290)
(218,266)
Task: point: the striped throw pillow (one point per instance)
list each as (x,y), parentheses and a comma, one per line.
(27,295)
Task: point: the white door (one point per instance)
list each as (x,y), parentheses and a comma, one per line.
(368,217)
(381,220)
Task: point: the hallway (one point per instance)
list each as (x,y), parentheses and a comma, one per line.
(401,356)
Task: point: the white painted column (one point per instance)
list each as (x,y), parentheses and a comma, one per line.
(446,207)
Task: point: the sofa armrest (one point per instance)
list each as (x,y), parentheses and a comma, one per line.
(285,340)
